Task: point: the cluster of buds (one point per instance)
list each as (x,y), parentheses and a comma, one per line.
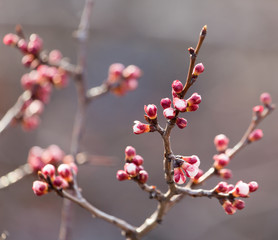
(133,168)
(40,79)
(241,189)
(186,166)
(122,79)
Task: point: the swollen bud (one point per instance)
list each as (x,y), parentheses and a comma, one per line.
(122,175)
(253,186)
(265,98)
(137,160)
(256,135)
(241,189)
(221,160)
(165,102)
(48,170)
(225,173)
(143,176)
(239,204)
(40,188)
(151,111)
(181,123)
(64,171)
(221,142)
(130,152)
(198,69)
(228,207)
(180,104)
(177,86)
(169,113)
(221,187)
(139,127)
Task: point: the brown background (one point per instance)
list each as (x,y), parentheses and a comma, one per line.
(240,55)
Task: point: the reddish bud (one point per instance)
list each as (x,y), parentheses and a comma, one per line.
(132,71)
(221,160)
(228,207)
(40,188)
(194,99)
(55,56)
(256,135)
(34,158)
(27,60)
(64,171)
(225,173)
(115,72)
(30,123)
(198,69)
(174,94)
(177,86)
(131,169)
(165,102)
(253,186)
(265,98)
(139,127)
(137,160)
(10,39)
(180,104)
(221,187)
(143,176)
(130,152)
(192,108)
(48,170)
(239,204)
(60,79)
(53,155)
(230,187)
(122,175)
(35,44)
(151,111)
(169,113)
(258,109)
(60,182)
(241,189)
(22,45)
(43,92)
(181,123)
(221,142)
(179,177)
(27,83)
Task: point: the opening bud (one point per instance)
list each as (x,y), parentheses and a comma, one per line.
(225,173)
(241,189)
(194,99)
(64,171)
(131,169)
(169,113)
(221,160)
(55,56)
(40,188)
(151,111)
(198,175)
(60,182)
(228,207)
(239,204)
(221,187)
(48,170)
(253,186)
(132,71)
(139,127)
(179,177)
(180,104)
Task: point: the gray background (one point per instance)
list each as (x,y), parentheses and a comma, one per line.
(240,56)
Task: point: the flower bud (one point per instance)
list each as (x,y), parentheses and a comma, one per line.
(40,188)
(177,86)
(241,189)
(137,160)
(221,160)
(225,173)
(180,104)
(198,69)
(115,72)
(22,45)
(192,160)
(35,107)
(35,44)
(230,187)
(60,182)
(253,186)
(222,187)
(169,113)
(122,175)
(131,169)
(132,71)
(192,108)
(194,99)
(55,56)
(151,111)
(228,207)
(258,109)
(165,102)
(30,123)
(265,98)
(181,123)
(221,142)
(48,170)
(179,177)
(139,127)
(65,172)
(130,152)
(256,135)
(239,204)
(53,155)
(143,176)
(43,92)
(131,84)
(10,39)
(34,158)
(27,60)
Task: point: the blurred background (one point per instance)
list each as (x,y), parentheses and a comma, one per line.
(240,55)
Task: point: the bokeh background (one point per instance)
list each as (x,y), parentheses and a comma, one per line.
(240,55)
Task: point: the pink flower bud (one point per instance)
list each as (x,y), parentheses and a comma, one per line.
(221,160)
(221,142)
(10,39)
(253,186)
(180,104)
(151,111)
(35,44)
(221,187)
(181,123)
(198,69)
(48,170)
(131,169)
(198,175)
(241,189)
(34,158)
(139,127)
(225,173)
(230,187)
(27,60)
(137,160)
(60,182)
(192,108)
(131,84)
(40,188)
(60,79)
(228,207)
(30,123)
(55,56)
(53,155)
(115,72)
(35,107)
(132,71)
(143,176)
(169,113)
(122,175)
(256,135)
(179,177)
(177,86)
(43,92)
(165,102)
(27,83)
(130,152)
(266,98)
(258,109)
(64,171)
(239,204)
(22,45)
(194,99)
